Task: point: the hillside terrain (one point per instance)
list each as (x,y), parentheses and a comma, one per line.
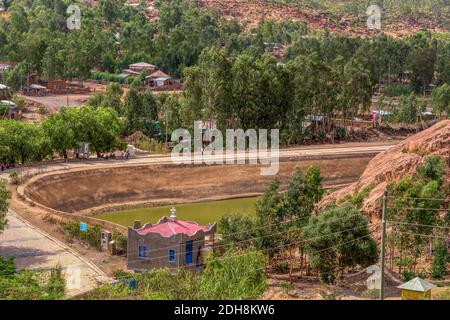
(396,162)
(397,17)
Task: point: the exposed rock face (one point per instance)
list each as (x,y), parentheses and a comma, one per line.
(394,163)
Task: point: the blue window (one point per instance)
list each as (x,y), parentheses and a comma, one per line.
(189,247)
(171,255)
(143,252)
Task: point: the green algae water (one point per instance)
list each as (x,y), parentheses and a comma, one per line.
(200,212)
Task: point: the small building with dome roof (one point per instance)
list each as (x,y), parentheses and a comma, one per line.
(171,243)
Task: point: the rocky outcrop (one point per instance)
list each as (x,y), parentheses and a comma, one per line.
(394,163)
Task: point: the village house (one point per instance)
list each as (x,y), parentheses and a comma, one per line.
(4,92)
(56,85)
(35,90)
(170,243)
(136,69)
(8,109)
(158,79)
(3,68)
(141,66)
(126,73)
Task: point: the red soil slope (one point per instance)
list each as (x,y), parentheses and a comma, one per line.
(397,161)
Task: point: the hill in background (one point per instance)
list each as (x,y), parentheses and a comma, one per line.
(348,16)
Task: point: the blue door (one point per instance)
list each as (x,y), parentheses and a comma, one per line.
(189,246)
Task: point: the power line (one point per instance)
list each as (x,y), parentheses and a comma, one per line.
(418,224)
(421,234)
(266,266)
(268,249)
(427,209)
(249,231)
(416,198)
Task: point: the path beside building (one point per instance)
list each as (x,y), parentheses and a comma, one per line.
(36,250)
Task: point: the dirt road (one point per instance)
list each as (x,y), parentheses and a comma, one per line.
(36,250)
(355,148)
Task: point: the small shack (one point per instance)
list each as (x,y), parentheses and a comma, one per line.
(3,68)
(4,91)
(158,79)
(170,243)
(8,109)
(35,90)
(416,289)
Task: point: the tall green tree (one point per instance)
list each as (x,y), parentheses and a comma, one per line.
(441,99)
(339,238)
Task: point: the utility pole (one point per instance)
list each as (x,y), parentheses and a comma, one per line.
(383,239)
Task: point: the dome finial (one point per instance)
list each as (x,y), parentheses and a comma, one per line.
(173,215)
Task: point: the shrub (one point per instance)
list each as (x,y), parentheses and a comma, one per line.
(396,90)
(286,286)
(93,236)
(433,168)
(440,260)
(320,134)
(282,267)
(235,275)
(121,241)
(340,237)
(55,286)
(29,285)
(71,228)
(408,275)
(14,178)
(340,133)
(371,293)
(358,199)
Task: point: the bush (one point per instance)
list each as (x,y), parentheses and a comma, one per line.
(371,294)
(14,178)
(340,133)
(286,286)
(320,134)
(71,228)
(396,90)
(93,236)
(340,237)
(55,286)
(235,275)
(282,267)
(121,241)
(236,228)
(440,260)
(433,168)
(29,285)
(358,199)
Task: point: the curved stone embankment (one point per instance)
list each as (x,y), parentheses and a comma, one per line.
(85,190)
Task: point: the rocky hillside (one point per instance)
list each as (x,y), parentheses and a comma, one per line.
(339,16)
(395,162)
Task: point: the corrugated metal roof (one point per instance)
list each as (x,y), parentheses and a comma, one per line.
(141,65)
(417,284)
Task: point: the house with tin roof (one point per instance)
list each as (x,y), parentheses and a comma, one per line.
(171,243)
(139,67)
(158,79)
(8,109)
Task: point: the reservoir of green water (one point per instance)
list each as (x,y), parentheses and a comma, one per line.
(200,212)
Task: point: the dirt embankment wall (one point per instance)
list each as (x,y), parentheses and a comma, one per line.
(94,188)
